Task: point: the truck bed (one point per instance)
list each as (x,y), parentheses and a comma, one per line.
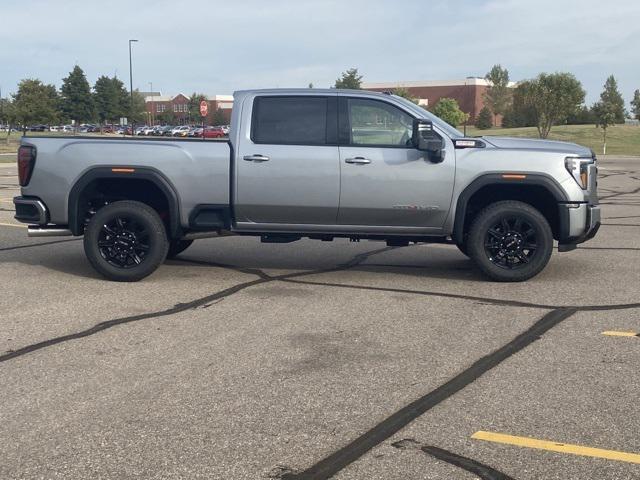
(198,170)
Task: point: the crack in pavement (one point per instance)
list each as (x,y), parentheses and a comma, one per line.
(337,461)
(487,300)
(181,307)
(19,247)
(484,472)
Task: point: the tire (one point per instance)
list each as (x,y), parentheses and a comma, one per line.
(510,241)
(176,247)
(126,241)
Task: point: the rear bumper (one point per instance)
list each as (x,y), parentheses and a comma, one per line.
(583,224)
(31,210)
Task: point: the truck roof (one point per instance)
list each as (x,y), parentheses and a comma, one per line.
(311,91)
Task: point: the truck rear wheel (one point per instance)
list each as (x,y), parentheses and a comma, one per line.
(126,241)
(510,241)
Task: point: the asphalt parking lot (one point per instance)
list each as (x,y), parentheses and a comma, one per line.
(311,360)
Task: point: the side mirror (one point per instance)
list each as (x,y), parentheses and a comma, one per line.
(427,140)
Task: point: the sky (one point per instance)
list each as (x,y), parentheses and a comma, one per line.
(216,47)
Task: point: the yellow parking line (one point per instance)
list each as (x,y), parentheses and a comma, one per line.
(12,225)
(613,333)
(557,447)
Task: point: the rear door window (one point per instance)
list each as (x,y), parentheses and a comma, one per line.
(294,120)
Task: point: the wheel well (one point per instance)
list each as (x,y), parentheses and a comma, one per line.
(102,191)
(537,196)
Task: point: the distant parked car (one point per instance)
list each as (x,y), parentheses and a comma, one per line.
(225,129)
(180,131)
(195,132)
(146,131)
(37,128)
(213,132)
(166,130)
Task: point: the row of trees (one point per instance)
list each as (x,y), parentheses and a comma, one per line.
(551,99)
(547,100)
(38,103)
(106,102)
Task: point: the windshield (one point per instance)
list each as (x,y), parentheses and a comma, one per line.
(422,113)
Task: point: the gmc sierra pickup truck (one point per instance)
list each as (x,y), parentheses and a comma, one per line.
(319,164)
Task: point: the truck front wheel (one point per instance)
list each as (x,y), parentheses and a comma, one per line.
(510,241)
(126,241)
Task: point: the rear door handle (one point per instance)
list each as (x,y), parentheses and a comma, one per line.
(256,158)
(358,160)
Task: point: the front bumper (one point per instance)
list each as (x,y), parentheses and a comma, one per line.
(583,223)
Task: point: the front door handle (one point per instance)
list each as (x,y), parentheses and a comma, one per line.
(256,158)
(358,160)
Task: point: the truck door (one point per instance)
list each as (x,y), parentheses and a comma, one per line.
(385,181)
(287,164)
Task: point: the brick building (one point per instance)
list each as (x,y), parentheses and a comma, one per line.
(174,109)
(468,92)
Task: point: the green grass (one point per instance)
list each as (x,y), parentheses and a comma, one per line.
(10,146)
(621,139)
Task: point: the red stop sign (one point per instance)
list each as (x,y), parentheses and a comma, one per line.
(204,108)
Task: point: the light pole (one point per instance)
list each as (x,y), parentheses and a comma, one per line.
(151,94)
(131,85)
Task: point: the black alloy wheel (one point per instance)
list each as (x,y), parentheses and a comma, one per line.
(510,241)
(126,241)
(123,241)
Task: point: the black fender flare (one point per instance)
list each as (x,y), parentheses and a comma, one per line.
(498,178)
(124,172)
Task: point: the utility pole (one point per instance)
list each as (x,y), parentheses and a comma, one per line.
(151,94)
(131,86)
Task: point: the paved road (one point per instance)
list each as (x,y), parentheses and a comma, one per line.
(306,360)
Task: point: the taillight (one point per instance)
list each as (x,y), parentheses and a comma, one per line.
(26,162)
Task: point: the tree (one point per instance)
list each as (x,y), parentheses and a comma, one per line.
(77,101)
(635,104)
(519,114)
(612,98)
(139,110)
(7,115)
(498,96)
(194,106)
(5,111)
(552,97)
(35,102)
(583,116)
(219,117)
(404,93)
(448,110)
(310,85)
(484,120)
(111,99)
(349,79)
(605,114)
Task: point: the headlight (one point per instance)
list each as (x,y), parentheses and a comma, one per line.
(579,169)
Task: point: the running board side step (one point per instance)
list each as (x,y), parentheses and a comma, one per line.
(48,232)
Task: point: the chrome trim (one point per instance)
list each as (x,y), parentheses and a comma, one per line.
(48,232)
(42,209)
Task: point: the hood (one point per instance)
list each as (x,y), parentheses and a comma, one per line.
(537,144)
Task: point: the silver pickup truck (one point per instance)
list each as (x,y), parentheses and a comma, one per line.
(319,164)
